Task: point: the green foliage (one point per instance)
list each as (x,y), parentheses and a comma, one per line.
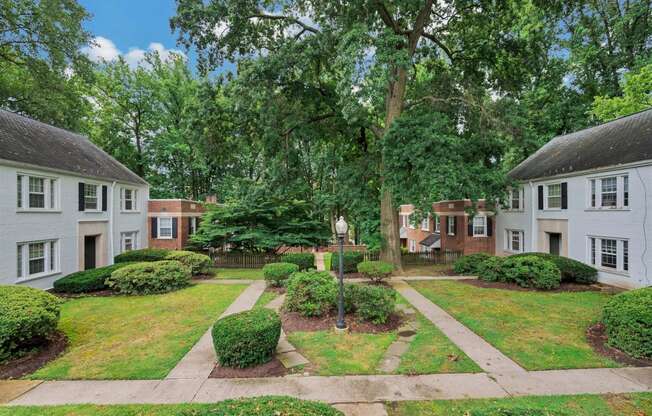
(470,263)
(86,280)
(636,96)
(370,302)
(247,338)
(628,320)
(198,263)
(27,317)
(278,273)
(310,293)
(305,261)
(531,271)
(514,411)
(375,270)
(571,270)
(149,278)
(265,406)
(491,269)
(146,254)
(351,261)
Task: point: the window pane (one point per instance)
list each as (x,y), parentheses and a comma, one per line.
(19,261)
(609,253)
(593,192)
(593,251)
(36,258)
(36,193)
(479,225)
(626,190)
(516,240)
(90,196)
(165,227)
(625,255)
(52,193)
(53,255)
(554,196)
(19,191)
(609,192)
(516,198)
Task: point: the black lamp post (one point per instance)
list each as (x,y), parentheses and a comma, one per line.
(341,227)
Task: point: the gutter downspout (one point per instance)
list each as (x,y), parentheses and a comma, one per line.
(533,220)
(111,219)
(645,237)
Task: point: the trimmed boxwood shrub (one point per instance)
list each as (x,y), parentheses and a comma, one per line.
(87,280)
(265,406)
(310,293)
(571,270)
(351,260)
(27,317)
(470,263)
(531,271)
(305,261)
(277,273)
(371,303)
(146,254)
(247,338)
(198,263)
(375,270)
(628,320)
(491,270)
(148,278)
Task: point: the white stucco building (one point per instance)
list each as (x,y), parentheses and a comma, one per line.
(66,205)
(587,196)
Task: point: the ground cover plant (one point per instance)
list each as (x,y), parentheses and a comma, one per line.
(305,261)
(147,278)
(87,280)
(628,321)
(470,263)
(277,273)
(375,270)
(538,330)
(135,337)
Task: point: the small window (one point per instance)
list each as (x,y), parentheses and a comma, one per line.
(609,192)
(515,200)
(36,258)
(450,222)
(129,199)
(609,253)
(554,196)
(515,240)
(479,226)
(90,197)
(425,224)
(129,241)
(164,227)
(437,225)
(36,192)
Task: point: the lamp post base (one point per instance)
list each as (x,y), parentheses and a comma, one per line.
(340,331)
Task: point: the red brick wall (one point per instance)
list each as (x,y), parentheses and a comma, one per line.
(176,208)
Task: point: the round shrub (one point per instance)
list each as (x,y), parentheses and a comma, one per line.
(305,261)
(628,321)
(27,317)
(375,270)
(531,271)
(470,263)
(310,293)
(571,270)
(149,278)
(198,263)
(371,303)
(87,280)
(351,260)
(491,270)
(277,273)
(247,338)
(146,254)
(265,406)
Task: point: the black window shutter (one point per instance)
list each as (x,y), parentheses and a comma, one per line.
(540,196)
(489,227)
(564,195)
(154,227)
(174,227)
(105,195)
(81,196)
(470,226)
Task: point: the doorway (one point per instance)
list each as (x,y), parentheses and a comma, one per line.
(90,250)
(554,243)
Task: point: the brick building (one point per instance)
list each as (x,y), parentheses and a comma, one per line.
(449,228)
(172,222)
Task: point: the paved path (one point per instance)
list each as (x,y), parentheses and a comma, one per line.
(200,360)
(286,352)
(319,261)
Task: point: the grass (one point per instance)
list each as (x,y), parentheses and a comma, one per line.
(251,274)
(135,337)
(538,330)
(428,270)
(584,405)
(265,298)
(328,259)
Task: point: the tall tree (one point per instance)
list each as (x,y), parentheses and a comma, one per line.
(637,96)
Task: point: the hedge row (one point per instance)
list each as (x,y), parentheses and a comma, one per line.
(305,261)
(87,280)
(571,270)
(198,263)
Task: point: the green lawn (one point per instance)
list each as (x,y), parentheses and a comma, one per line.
(538,330)
(328,259)
(428,270)
(135,337)
(252,274)
(265,298)
(584,405)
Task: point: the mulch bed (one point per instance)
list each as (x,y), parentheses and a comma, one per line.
(203,277)
(273,368)
(99,293)
(564,287)
(277,290)
(596,335)
(293,321)
(32,361)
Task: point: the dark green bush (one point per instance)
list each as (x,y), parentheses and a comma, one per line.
(571,270)
(470,263)
(146,254)
(265,406)
(27,317)
(310,293)
(531,271)
(375,270)
(277,273)
(87,280)
(491,270)
(499,411)
(628,321)
(247,338)
(371,303)
(305,261)
(148,278)
(351,260)
(198,263)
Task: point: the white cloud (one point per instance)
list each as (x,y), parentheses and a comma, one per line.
(102,49)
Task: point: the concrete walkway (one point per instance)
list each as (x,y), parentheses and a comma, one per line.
(286,352)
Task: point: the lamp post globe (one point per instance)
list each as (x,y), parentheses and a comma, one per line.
(341,227)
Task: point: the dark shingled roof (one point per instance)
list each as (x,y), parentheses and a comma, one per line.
(430,240)
(29,141)
(624,140)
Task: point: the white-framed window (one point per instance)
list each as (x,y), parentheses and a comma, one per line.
(129,199)
(193,226)
(515,199)
(129,241)
(479,226)
(405,219)
(609,192)
(553,196)
(609,253)
(450,225)
(164,227)
(425,223)
(36,192)
(91,199)
(437,224)
(413,246)
(411,223)
(37,258)
(514,241)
